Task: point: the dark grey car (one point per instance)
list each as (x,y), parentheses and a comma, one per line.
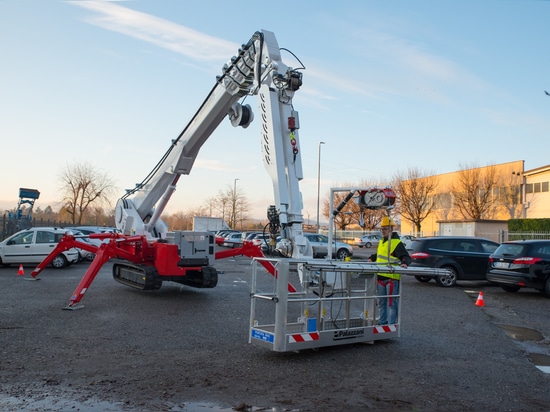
(466,257)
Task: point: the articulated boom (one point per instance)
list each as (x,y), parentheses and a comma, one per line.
(257,69)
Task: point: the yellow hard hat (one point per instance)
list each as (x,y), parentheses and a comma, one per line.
(387,221)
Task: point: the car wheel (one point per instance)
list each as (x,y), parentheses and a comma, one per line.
(342,254)
(368,244)
(423,279)
(360,245)
(449,280)
(59,261)
(547,287)
(510,288)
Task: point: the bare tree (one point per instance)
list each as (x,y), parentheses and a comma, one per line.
(346,216)
(232,205)
(508,193)
(179,220)
(82,187)
(352,212)
(415,193)
(473,192)
(220,205)
(443,205)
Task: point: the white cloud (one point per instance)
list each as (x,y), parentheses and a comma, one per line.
(158,31)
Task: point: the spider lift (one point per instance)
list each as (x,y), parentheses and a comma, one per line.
(145,254)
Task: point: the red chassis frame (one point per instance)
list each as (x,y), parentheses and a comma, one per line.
(136,249)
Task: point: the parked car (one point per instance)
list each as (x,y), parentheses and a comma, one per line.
(88,230)
(465,257)
(521,264)
(407,240)
(250,235)
(221,234)
(319,243)
(233,239)
(34,245)
(261,240)
(367,241)
(83,254)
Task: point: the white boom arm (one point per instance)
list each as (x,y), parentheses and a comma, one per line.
(256,70)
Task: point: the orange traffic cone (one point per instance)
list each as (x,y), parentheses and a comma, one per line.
(479,301)
(21,272)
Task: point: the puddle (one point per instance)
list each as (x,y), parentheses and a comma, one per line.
(521,334)
(524,336)
(53,403)
(539,359)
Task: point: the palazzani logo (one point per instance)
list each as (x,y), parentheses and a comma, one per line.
(348,334)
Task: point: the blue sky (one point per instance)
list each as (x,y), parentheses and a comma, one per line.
(388,85)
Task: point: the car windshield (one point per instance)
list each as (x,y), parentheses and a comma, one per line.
(489,247)
(510,249)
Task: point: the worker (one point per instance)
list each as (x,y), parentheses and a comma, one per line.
(387,282)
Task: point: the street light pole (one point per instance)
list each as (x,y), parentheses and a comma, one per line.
(235,204)
(319,184)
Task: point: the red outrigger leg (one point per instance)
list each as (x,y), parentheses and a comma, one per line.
(65,243)
(106,252)
(250,250)
(135,249)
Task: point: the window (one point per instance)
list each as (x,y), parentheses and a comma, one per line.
(467,246)
(510,249)
(544,187)
(488,247)
(543,251)
(444,244)
(43,236)
(22,239)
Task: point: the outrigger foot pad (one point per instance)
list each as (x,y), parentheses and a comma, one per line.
(73,307)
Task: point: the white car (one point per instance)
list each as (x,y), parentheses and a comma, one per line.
(233,239)
(262,240)
(34,245)
(84,254)
(407,240)
(88,230)
(368,241)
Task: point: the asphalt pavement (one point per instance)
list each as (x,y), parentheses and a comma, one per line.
(185,349)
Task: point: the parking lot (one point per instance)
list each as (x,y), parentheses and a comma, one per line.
(185,349)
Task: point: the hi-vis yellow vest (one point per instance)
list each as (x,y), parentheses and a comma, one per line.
(382,257)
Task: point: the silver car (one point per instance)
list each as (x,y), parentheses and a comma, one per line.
(34,245)
(368,241)
(319,243)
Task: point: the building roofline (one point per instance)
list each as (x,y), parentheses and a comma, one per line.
(537,170)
